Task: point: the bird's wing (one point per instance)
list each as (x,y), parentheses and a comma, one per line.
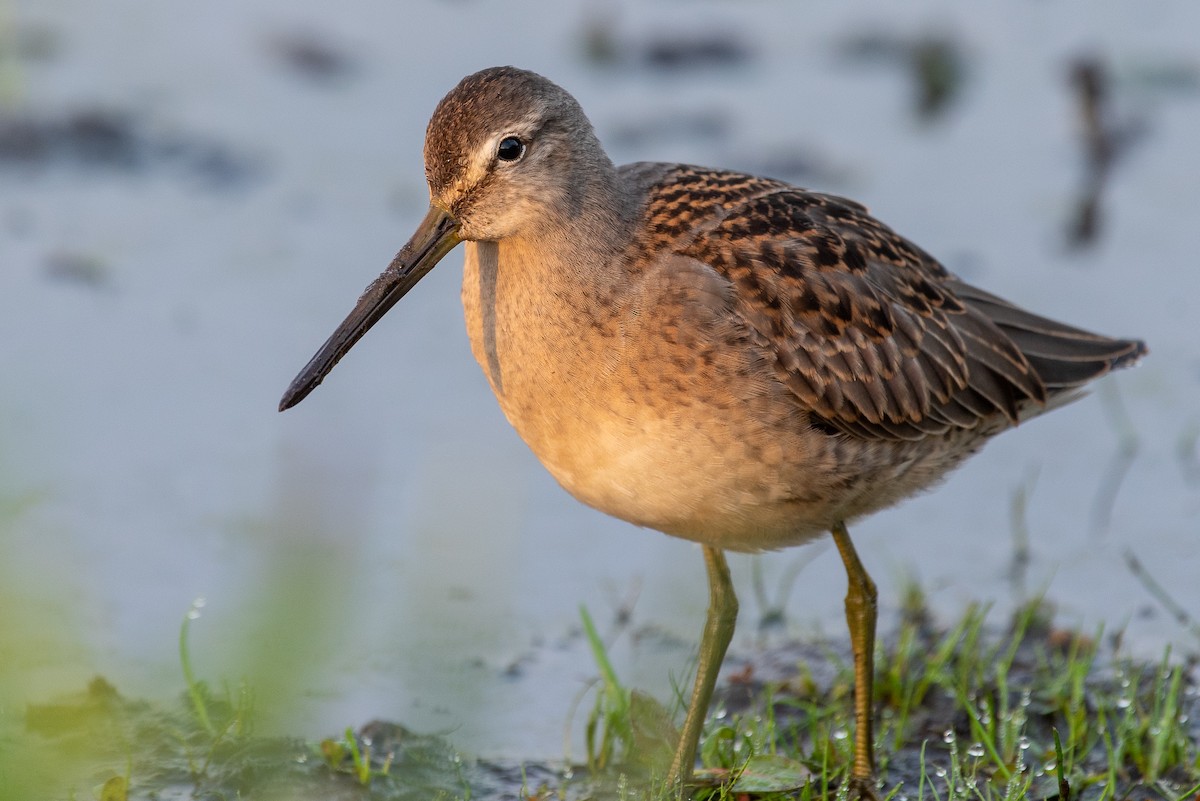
(865,328)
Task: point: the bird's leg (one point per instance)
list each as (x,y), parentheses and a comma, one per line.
(718,631)
(860,616)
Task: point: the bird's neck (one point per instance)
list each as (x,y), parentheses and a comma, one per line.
(579,248)
(529,298)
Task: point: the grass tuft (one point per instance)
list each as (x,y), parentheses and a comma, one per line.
(966,714)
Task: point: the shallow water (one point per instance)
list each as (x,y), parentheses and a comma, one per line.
(154,312)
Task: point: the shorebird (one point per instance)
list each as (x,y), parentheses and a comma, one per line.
(722,357)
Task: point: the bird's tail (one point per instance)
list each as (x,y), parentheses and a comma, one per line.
(1064,358)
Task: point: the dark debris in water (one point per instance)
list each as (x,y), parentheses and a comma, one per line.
(81,269)
(1105,138)
(936,63)
(665,50)
(30,43)
(311,56)
(707,49)
(117,140)
(938,67)
(1166,76)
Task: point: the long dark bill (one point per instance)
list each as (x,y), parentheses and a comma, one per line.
(435,237)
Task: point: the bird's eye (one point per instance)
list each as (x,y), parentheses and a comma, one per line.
(511,149)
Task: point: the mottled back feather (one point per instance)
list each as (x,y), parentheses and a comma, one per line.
(873,336)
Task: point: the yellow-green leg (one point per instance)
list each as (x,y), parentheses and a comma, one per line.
(860,616)
(718,631)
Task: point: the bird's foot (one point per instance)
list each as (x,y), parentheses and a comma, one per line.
(862,788)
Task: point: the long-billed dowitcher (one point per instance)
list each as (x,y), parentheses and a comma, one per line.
(724,358)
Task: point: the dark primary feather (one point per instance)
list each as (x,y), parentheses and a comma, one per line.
(871,333)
